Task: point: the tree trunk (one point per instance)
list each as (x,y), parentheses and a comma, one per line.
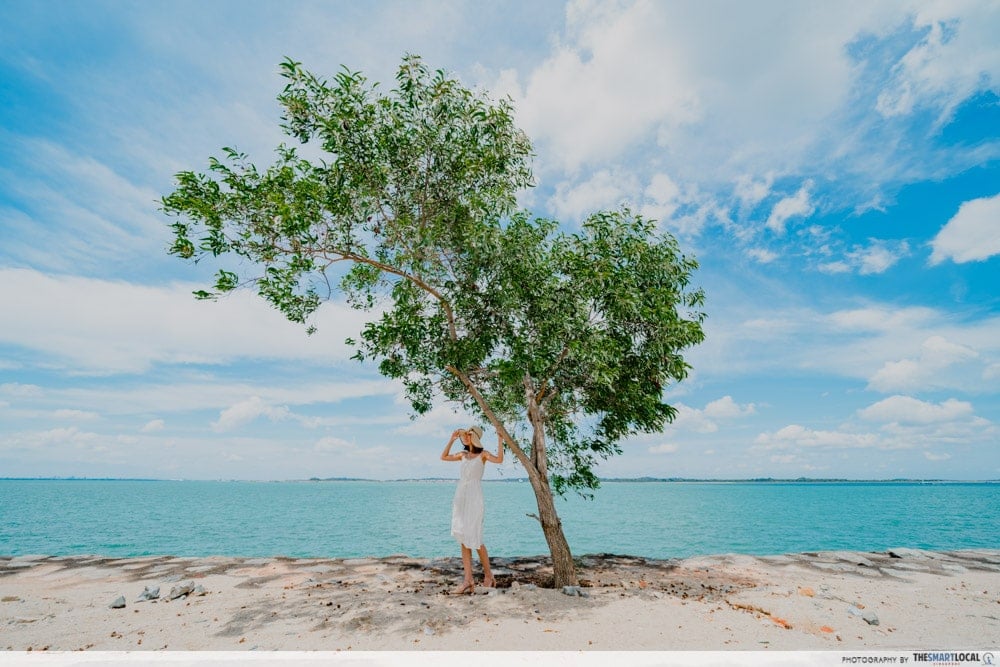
(563,567)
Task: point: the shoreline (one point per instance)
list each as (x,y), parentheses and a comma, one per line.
(837,600)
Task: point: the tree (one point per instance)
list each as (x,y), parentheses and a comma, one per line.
(564,342)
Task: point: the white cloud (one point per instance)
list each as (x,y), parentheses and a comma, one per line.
(839,266)
(930,456)
(666,448)
(751,192)
(795,436)
(908,410)
(70,436)
(853,343)
(706,420)
(613,80)
(247,411)
(662,197)
(213,394)
(692,419)
(956,56)
(972,235)
(762,255)
(333,444)
(902,423)
(877,257)
(603,190)
(936,355)
(883,319)
(153,426)
(795,206)
(20,390)
(76,415)
(102,326)
(727,408)
(75,212)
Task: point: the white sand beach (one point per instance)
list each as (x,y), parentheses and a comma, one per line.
(904,599)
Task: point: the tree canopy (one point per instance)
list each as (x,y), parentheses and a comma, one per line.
(563,340)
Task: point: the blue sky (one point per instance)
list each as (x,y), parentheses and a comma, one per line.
(835,168)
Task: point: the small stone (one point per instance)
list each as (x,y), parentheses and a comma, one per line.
(870,618)
(119,603)
(181,591)
(571,590)
(428,630)
(149,593)
(199,590)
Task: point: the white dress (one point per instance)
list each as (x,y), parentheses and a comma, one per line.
(467,508)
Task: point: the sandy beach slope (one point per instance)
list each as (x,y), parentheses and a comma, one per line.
(903,599)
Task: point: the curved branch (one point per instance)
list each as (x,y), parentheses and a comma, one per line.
(361,259)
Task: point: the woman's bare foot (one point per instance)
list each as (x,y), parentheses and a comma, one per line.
(466,587)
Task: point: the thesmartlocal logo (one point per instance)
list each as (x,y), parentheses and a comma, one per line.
(941,659)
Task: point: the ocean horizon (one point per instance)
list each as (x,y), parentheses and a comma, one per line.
(647,517)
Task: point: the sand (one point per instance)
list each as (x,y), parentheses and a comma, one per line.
(905,599)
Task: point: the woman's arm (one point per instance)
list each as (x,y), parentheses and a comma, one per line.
(498,457)
(446,455)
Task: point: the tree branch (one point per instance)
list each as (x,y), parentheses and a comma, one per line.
(452,328)
(529,467)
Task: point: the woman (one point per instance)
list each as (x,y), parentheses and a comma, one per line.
(467,508)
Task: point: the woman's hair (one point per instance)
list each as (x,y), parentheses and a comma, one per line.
(474,433)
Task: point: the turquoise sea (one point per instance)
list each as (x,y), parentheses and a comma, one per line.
(352,519)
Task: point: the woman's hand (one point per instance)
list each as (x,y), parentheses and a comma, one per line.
(446,455)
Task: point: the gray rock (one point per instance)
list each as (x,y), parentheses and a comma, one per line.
(199,590)
(119,603)
(910,553)
(181,591)
(870,618)
(428,630)
(572,591)
(149,594)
